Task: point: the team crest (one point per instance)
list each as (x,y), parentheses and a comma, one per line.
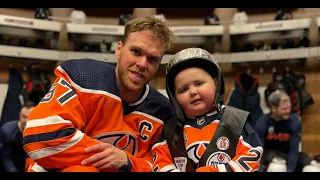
(122,140)
(181,163)
(271,130)
(223,143)
(218,158)
(196,150)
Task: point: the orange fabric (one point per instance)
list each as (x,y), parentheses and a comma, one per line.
(80,168)
(207,169)
(28,164)
(196,140)
(89,115)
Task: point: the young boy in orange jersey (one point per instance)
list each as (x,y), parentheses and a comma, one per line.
(195,86)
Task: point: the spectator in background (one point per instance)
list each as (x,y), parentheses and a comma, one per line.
(12,153)
(280,134)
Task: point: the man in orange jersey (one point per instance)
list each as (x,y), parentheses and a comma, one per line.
(100,117)
(205,135)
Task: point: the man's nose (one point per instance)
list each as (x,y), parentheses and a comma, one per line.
(143,62)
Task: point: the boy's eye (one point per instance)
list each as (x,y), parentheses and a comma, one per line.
(198,83)
(180,91)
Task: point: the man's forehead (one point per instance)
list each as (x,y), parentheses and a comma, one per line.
(284,104)
(153,47)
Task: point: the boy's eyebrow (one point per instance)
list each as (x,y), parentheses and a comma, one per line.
(178,88)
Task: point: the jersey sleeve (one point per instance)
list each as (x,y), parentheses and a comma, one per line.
(53,137)
(141,164)
(247,158)
(162,159)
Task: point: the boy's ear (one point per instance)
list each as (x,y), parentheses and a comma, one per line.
(215,81)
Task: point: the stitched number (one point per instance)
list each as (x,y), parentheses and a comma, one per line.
(64,98)
(49,95)
(67,96)
(245,159)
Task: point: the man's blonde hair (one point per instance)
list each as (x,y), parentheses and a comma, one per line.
(150,23)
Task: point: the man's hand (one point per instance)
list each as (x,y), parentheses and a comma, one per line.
(107,156)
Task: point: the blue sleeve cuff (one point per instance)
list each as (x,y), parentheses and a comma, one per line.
(126,168)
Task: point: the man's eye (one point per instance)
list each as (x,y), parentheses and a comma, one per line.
(153,60)
(135,52)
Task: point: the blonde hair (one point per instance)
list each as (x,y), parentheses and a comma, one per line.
(158,28)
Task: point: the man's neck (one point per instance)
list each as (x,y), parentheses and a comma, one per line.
(126,94)
(274,117)
(129,97)
(20,127)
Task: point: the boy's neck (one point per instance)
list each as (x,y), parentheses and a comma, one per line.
(213,109)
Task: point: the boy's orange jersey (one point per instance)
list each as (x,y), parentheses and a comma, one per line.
(84,106)
(197,135)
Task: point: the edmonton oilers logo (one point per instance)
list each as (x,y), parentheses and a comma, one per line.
(217,158)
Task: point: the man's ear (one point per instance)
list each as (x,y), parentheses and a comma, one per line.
(119,49)
(273,109)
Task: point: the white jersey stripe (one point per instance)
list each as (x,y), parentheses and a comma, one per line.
(222,168)
(47,121)
(44,152)
(235,166)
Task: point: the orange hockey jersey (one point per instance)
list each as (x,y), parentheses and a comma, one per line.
(197,136)
(83,106)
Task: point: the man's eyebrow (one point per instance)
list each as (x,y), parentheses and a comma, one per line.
(156,57)
(136,47)
(150,56)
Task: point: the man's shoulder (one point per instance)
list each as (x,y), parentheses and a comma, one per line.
(159,99)
(85,64)
(295,120)
(8,128)
(294,116)
(265,117)
(91,74)
(156,104)
(263,120)
(9,124)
